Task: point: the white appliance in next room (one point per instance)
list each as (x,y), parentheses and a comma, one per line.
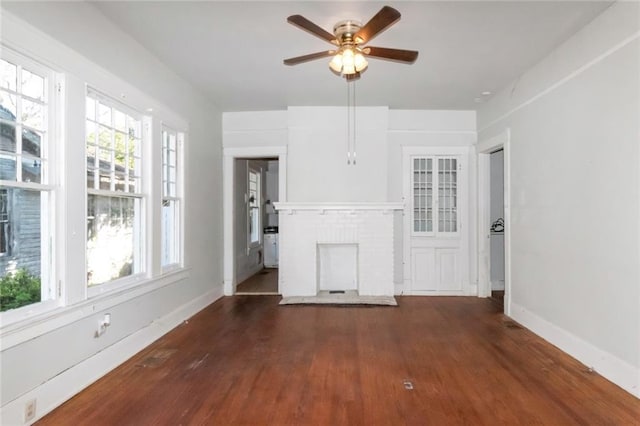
(271,247)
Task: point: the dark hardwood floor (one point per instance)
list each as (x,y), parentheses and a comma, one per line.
(264,282)
(246,360)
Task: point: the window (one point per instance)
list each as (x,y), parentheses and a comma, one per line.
(171,144)
(114,187)
(254,207)
(26,211)
(435,196)
(4,222)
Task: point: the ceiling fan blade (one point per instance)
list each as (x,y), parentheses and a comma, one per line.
(352,77)
(310,57)
(399,55)
(382,20)
(305,24)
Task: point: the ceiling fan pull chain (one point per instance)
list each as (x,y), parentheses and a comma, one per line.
(354,122)
(348,123)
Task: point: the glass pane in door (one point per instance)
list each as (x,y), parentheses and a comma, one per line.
(447,195)
(422,195)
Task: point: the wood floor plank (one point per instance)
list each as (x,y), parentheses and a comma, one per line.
(245,360)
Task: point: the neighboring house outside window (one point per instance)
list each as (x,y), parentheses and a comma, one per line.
(26,210)
(171,201)
(114,190)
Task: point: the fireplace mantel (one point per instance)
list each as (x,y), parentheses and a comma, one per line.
(291,207)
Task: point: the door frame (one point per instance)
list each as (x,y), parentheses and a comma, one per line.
(228,172)
(484,149)
(464,218)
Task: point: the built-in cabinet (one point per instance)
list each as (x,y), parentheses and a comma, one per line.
(436,240)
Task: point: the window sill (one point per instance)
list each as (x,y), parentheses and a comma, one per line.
(20,331)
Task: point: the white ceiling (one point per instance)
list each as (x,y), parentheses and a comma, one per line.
(233,51)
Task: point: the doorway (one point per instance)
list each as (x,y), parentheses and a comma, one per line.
(256,225)
(254,179)
(494,232)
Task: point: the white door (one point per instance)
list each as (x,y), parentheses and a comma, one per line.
(436,235)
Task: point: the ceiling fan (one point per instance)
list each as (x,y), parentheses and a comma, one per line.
(349,58)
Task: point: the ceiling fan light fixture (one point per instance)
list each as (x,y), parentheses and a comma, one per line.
(336,63)
(360,62)
(348,61)
(352,38)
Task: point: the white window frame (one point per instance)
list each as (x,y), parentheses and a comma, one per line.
(177,197)
(139,196)
(47,187)
(435,232)
(251,243)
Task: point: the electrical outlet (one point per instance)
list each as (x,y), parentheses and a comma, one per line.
(30,410)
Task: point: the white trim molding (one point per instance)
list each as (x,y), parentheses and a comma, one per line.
(562,80)
(483,150)
(607,365)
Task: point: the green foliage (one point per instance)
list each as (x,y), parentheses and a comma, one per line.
(18,290)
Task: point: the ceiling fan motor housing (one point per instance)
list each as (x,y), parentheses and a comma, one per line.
(346,30)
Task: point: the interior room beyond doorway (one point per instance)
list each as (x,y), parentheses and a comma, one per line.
(256,225)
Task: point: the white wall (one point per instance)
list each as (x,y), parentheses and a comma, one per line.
(54,357)
(575,185)
(318,169)
(316,141)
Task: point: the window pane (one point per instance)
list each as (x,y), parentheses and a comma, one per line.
(8,106)
(7,167)
(447,193)
(31,142)
(119,120)
(120,150)
(7,137)
(104,180)
(111,251)
(104,114)
(20,236)
(32,85)
(31,170)
(32,114)
(422,194)
(135,129)
(120,181)
(104,137)
(8,75)
(254,223)
(133,185)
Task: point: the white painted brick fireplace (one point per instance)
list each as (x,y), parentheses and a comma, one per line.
(312,233)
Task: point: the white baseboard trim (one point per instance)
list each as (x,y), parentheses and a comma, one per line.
(607,365)
(65,385)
